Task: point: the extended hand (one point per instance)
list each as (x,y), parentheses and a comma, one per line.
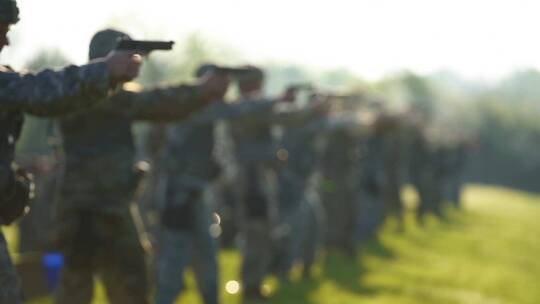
(123,66)
(213,86)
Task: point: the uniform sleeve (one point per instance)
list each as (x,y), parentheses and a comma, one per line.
(51,93)
(291,117)
(159,105)
(266,112)
(288,116)
(251,113)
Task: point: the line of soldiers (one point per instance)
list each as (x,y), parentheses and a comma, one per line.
(281,178)
(284,179)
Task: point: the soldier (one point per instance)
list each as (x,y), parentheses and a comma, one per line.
(187,235)
(425,174)
(299,211)
(371,209)
(381,170)
(339,168)
(391,132)
(256,156)
(312,222)
(46,94)
(95,229)
(35,228)
(455,158)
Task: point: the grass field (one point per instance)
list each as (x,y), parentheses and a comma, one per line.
(488,253)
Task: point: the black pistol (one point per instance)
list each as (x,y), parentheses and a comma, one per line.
(144,46)
(304,86)
(231,70)
(234,72)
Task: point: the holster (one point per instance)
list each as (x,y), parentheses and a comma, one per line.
(17,201)
(141,170)
(181,216)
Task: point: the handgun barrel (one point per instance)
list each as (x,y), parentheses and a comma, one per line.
(144,45)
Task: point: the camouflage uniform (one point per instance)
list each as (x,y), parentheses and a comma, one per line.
(393,174)
(312,230)
(95,228)
(340,178)
(425,175)
(371,210)
(186,220)
(223,191)
(46,94)
(35,228)
(455,159)
(254,153)
(299,207)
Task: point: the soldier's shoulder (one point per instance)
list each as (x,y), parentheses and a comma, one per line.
(6,69)
(7,74)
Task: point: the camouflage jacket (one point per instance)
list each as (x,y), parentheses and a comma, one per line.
(340,158)
(46,94)
(301,142)
(190,144)
(99,146)
(252,132)
(190,147)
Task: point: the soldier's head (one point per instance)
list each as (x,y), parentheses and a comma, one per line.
(103,42)
(9,14)
(251,82)
(212,83)
(203,69)
(289,95)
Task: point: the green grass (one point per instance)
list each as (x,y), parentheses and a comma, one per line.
(488,253)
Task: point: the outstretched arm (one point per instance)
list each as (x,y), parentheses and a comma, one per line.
(50,93)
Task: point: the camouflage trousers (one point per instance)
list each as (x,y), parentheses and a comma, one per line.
(35,227)
(102,244)
(10,289)
(256,252)
(429,190)
(227,210)
(370,214)
(392,202)
(291,189)
(340,205)
(256,217)
(312,230)
(182,244)
(453,185)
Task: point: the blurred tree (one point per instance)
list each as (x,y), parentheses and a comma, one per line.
(337,79)
(522,87)
(420,96)
(279,76)
(47,59)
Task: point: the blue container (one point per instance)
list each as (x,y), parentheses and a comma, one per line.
(53,263)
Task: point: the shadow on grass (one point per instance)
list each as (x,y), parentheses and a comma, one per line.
(297,292)
(348,273)
(343,271)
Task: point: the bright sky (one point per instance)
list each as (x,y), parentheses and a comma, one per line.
(484,39)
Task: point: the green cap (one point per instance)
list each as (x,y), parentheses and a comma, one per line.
(204,68)
(104,42)
(252,75)
(9,12)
